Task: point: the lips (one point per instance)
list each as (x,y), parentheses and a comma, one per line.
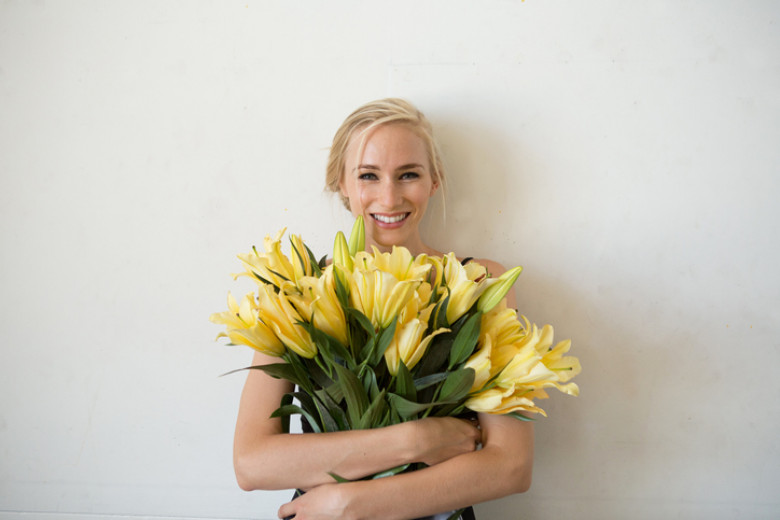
(390,219)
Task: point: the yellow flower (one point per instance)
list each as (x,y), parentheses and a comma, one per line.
(564,367)
(466,284)
(378,294)
(244,328)
(272,266)
(237,316)
(401,264)
(521,362)
(408,344)
(324,309)
(301,262)
(480,362)
(276,311)
(498,401)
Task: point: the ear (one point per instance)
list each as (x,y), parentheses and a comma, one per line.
(434,187)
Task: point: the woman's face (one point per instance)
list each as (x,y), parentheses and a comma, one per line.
(389,186)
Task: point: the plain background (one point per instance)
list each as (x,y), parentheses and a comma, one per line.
(624,152)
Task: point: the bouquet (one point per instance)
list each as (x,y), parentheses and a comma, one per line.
(373,339)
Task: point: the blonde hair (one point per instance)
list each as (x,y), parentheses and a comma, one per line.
(370,116)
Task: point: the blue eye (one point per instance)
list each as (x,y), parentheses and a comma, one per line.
(410,175)
(367,177)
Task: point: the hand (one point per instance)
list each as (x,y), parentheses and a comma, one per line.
(437,439)
(325,502)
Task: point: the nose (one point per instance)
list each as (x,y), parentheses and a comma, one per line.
(390,195)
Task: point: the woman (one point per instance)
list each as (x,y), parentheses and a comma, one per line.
(386,167)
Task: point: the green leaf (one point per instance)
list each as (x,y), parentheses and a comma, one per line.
(342,292)
(354,394)
(390,472)
(279,275)
(407,409)
(437,355)
(330,412)
(466,340)
(292,409)
(424,382)
(316,267)
(323,263)
(362,320)
(383,342)
(520,416)
(404,384)
(279,371)
(441,315)
(337,478)
(301,372)
(457,385)
(370,381)
(456,514)
(330,348)
(287,399)
(373,416)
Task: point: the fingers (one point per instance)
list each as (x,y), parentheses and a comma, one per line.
(287,511)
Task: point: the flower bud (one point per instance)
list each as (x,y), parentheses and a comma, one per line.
(357,239)
(496,292)
(341,256)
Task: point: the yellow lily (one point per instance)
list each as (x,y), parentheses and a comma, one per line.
(390,296)
(502,325)
(481,364)
(466,284)
(301,262)
(564,367)
(496,401)
(325,311)
(401,264)
(276,311)
(237,316)
(408,344)
(379,295)
(244,328)
(272,265)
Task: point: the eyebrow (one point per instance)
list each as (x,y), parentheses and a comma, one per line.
(402,167)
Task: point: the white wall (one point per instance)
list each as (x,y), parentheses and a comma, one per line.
(625,153)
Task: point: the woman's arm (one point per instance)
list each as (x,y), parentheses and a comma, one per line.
(502,467)
(266,458)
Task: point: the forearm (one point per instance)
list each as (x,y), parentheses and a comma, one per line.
(503,467)
(286,461)
(462,481)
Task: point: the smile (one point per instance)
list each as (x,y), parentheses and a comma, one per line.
(387,219)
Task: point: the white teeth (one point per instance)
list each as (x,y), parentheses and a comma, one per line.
(390,220)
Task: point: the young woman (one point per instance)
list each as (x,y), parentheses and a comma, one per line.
(386,167)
